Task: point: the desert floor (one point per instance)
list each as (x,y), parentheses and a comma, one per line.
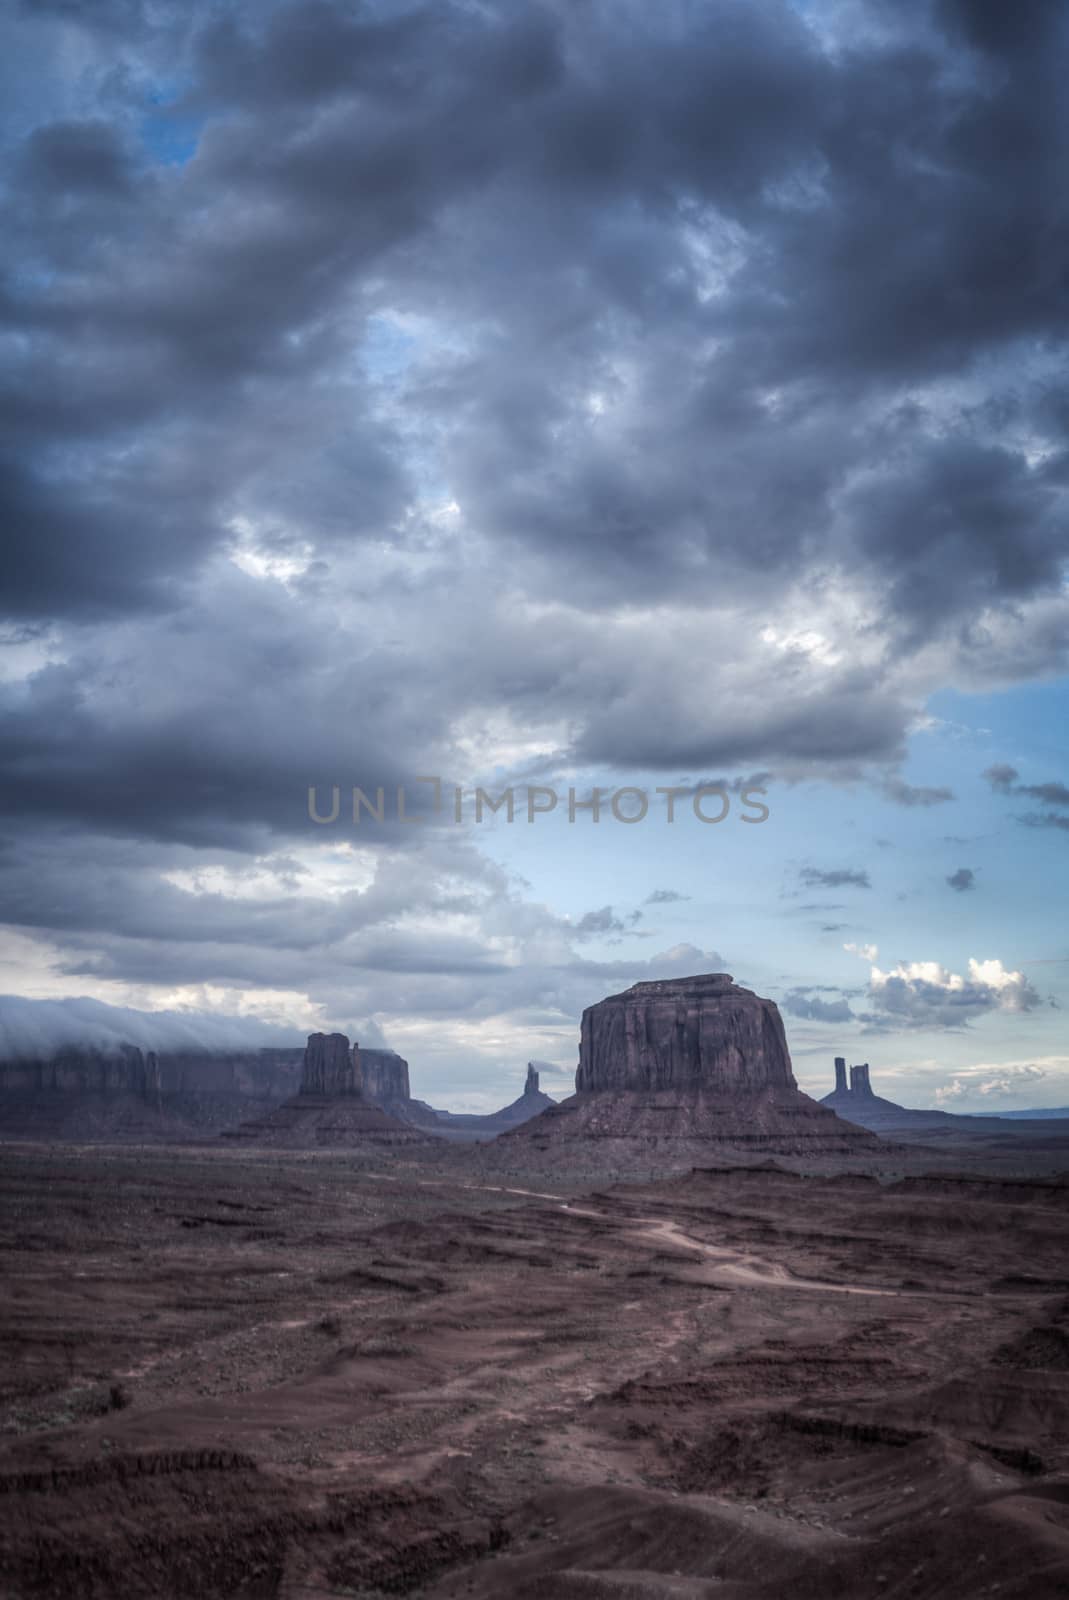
(311,1375)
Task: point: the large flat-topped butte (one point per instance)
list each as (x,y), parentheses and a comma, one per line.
(674,1033)
(696,1060)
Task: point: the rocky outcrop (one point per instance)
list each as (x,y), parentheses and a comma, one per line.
(331,1107)
(684,1033)
(531,1103)
(330,1067)
(859,1103)
(860,1087)
(668,1068)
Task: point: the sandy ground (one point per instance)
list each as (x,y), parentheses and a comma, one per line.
(304,1376)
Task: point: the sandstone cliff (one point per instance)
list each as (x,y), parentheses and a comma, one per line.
(385,1077)
(684,1033)
(73,1071)
(86,1092)
(330,1067)
(89,1070)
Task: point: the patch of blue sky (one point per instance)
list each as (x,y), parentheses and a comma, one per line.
(389,348)
(1025,727)
(169,134)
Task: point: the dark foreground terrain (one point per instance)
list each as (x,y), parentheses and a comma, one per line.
(247,1373)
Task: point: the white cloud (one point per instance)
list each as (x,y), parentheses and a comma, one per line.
(926,994)
(1003,1082)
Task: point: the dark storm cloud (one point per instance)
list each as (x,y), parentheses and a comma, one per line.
(657,374)
(96,14)
(119,547)
(441,932)
(999,30)
(116,890)
(65,160)
(554,169)
(961,880)
(950,522)
(852,720)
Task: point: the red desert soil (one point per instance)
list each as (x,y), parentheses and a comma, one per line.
(263,1373)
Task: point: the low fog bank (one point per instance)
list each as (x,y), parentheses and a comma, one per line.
(40,1029)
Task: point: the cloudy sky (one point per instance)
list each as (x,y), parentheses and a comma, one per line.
(577,393)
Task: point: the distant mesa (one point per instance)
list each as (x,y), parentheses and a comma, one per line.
(73,1070)
(120,1092)
(690,1059)
(87,1092)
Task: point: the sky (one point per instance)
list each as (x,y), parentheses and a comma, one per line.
(565,396)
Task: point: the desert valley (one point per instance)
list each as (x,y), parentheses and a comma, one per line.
(689,1333)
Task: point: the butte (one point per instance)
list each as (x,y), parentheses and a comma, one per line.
(330,1108)
(682,1067)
